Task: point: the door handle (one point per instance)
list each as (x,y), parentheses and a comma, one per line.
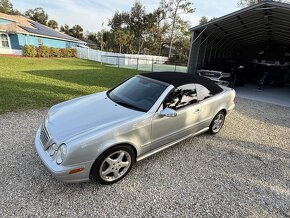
(197,110)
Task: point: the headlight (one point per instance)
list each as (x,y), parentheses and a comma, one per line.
(60,154)
(52,149)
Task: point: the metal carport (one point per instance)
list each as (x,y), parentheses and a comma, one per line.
(241,33)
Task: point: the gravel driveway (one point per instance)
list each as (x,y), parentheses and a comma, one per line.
(244,171)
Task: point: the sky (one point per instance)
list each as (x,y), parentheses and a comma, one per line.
(90,14)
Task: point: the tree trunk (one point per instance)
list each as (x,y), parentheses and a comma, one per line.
(172,30)
(140,46)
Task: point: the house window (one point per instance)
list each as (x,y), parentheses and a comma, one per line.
(68,44)
(40,42)
(4,40)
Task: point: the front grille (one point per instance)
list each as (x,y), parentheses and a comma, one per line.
(44,136)
(210,73)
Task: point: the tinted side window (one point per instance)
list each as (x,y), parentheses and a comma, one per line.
(202,92)
(181,97)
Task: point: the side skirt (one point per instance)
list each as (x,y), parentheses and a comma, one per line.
(170,144)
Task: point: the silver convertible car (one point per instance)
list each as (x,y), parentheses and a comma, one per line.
(100,136)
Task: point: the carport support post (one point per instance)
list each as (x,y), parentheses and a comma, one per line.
(194,52)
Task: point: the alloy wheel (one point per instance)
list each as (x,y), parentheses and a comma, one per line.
(115,165)
(218,123)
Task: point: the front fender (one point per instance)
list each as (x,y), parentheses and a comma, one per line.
(90,151)
(89,147)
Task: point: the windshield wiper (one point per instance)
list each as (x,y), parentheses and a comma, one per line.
(127,105)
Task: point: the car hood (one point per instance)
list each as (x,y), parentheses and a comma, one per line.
(89,113)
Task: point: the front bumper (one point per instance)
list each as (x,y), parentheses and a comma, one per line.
(62,172)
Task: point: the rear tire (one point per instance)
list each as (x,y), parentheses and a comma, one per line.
(217,123)
(113,165)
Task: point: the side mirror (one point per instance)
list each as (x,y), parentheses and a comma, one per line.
(168,112)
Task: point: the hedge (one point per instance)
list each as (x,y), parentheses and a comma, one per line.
(29,51)
(46,52)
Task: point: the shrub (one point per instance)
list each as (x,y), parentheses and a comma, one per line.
(55,52)
(67,52)
(43,51)
(29,51)
(62,52)
(74,52)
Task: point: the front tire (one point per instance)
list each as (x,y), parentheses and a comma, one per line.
(113,165)
(217,123)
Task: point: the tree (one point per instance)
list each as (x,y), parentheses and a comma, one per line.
(122,38)
(37,14)
(65,29)
(132,24)
(119,21)
(246,3)
(108,40)
(6,7)
(174,8)
(203,20)
(76,31)
(136,31)
(182,42)
(157,29)
(137,23)
(52,24)
(92,37)
(140,28)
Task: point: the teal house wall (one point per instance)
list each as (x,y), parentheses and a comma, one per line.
(17,41)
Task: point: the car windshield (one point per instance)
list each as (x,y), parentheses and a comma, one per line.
(137,93)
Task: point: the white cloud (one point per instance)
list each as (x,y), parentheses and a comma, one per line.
(90,14)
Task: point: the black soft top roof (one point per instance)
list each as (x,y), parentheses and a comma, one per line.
(178,79)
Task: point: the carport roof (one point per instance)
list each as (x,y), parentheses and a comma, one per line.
(260,23)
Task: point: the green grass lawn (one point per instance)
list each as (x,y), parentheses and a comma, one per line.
(30,83)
